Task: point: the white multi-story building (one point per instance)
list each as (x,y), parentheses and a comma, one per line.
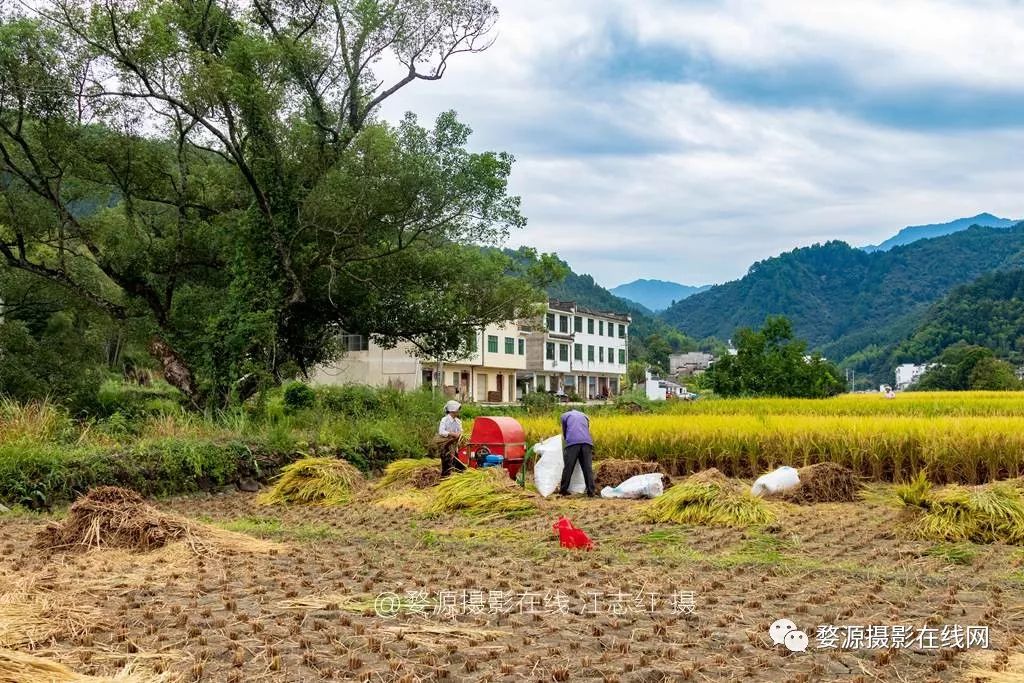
(488,374)
(579,351)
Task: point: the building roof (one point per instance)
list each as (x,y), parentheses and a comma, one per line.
(572,306)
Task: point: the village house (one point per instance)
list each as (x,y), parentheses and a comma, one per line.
(578,350)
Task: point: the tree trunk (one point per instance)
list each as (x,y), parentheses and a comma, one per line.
(176,371)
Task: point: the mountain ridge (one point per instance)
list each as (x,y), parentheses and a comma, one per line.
(655,295)
(914,233)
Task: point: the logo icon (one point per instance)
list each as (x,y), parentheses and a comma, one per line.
(785,632)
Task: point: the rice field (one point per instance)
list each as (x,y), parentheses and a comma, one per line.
(957,438)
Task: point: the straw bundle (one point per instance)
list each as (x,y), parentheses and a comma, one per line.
(18,667)
(709,498)
(613,472)
(419,473)
(314,481)
(112,517)
(483,491)
(992,513)
(824,482)
(985,669)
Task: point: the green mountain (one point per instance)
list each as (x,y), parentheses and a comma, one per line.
(913,233)
(988,312)
(656,295)
(844,300)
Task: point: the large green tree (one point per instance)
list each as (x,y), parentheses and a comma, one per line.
(214,173)
(772,362)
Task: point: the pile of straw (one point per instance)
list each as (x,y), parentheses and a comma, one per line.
(18,667)
(112,517)
(825,482)
(708,498)
(985,668)
(314,481)
(992,513)
(613,472)
(483,491)
(418,473)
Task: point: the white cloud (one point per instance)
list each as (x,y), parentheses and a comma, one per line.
(628,178)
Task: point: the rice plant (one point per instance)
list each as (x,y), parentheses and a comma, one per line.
(993,513)
(708,503)
(481,491)
(407,472)
(882,447)
(314,481)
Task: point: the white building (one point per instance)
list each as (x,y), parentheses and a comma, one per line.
(578,351)
(488,374)
(908,373)
(663,389)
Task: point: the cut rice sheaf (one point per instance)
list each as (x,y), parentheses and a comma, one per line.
(315,481)
(709,498)
(481,491)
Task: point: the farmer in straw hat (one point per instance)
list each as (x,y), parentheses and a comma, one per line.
(449,433)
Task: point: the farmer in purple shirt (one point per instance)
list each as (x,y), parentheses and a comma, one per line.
(578,446)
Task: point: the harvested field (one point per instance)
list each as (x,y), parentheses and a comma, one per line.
(470,599)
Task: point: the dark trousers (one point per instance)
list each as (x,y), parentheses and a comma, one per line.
(447,447)
(584,453)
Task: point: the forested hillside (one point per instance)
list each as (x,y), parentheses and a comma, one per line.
(843,300)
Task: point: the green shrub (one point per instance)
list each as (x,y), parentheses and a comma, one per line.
(539,402)
(298,395)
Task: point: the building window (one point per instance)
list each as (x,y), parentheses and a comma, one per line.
(549,351)
(455,379)
(550,322)
(563,352)
(611,329)
(473,344)
(522,347)
(590,353)
(540,382)
(622,356)
(590,326)
(563,324)
(355,342)
(578,352)
(600,327)
(510,346)
(622,331)
(577,324)
(611,355)
(600,354)
(492,343)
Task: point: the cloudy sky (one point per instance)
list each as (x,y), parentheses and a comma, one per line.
(686,139)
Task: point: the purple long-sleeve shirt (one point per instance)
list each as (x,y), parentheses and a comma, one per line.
(576,428)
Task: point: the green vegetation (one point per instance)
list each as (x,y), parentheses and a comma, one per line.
(771,362)
(968,368)
(993,513)
(253,208)
(855,306)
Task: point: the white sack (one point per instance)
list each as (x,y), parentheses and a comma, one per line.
(780,480)
(547,473)
(640,486)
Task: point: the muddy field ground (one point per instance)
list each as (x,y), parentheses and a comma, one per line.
(499,600)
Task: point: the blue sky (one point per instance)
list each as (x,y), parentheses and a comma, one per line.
(685,140)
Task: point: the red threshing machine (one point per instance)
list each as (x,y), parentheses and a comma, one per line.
(495,442)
